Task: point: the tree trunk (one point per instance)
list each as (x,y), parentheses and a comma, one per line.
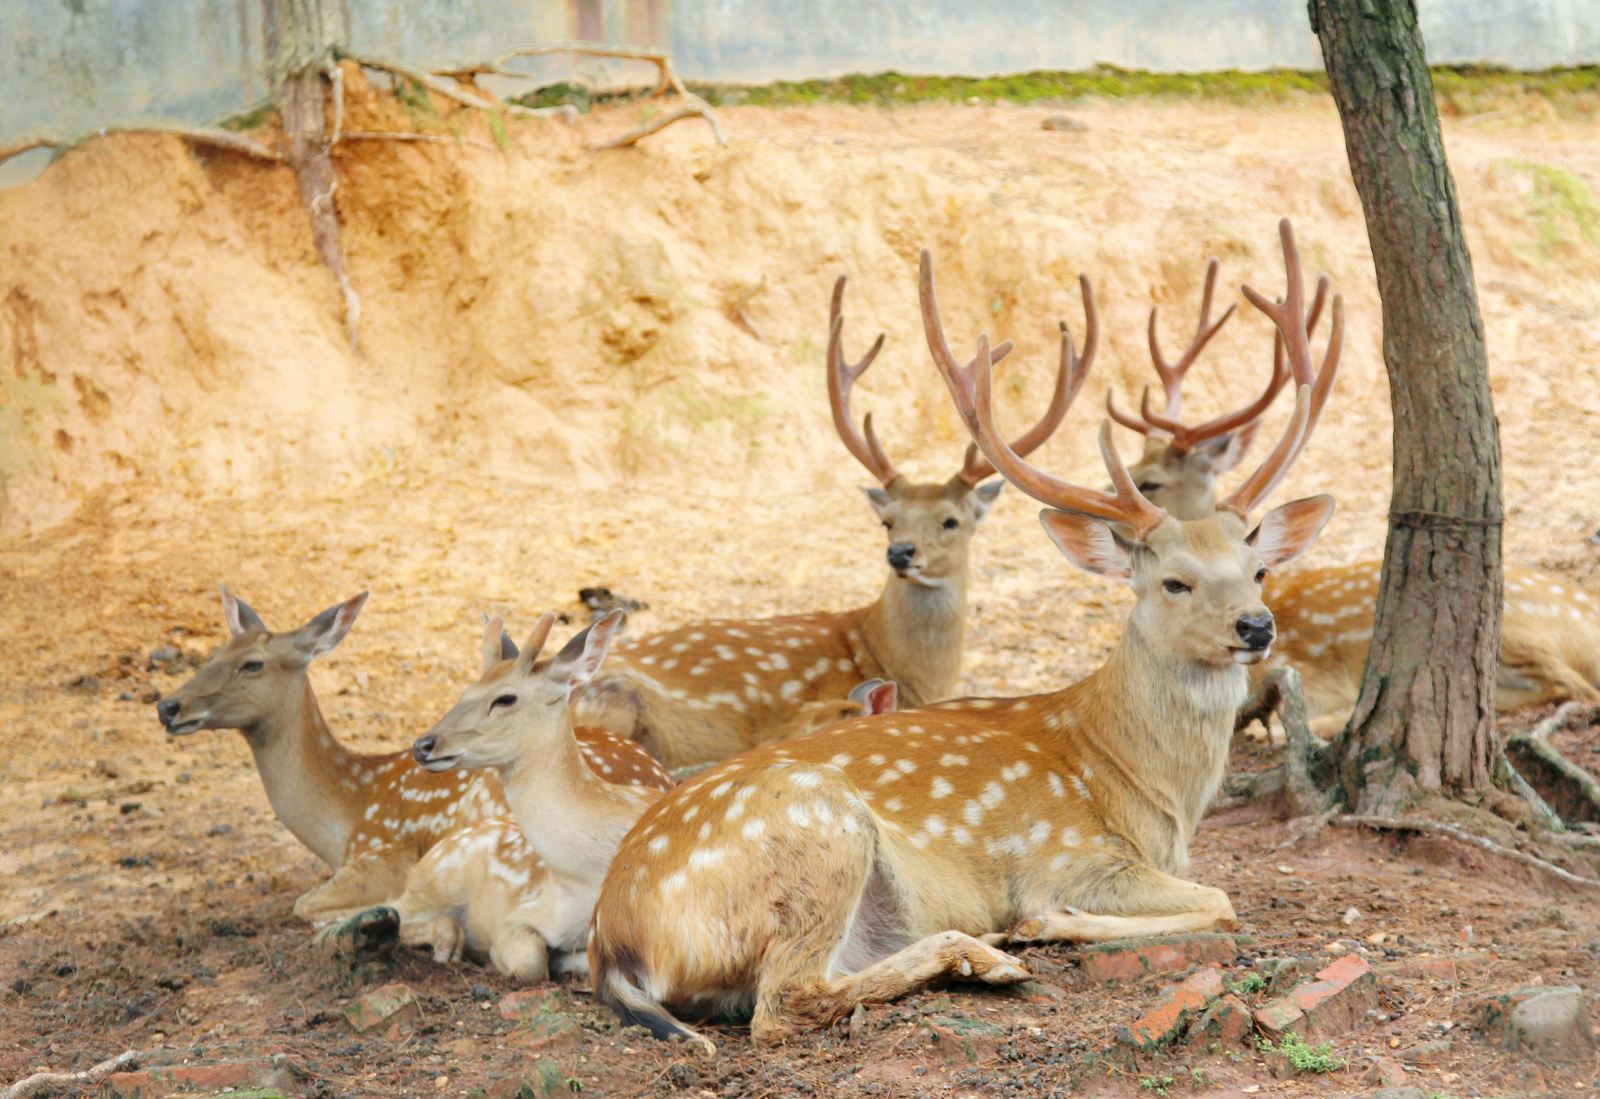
(1424,720)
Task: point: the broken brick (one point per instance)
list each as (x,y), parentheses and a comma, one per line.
(959,1040)
(1175,1006)
(1331,1003)
(1552,1023)
(387,1007)
(1223,1025)
(1132,959)
(276,1073)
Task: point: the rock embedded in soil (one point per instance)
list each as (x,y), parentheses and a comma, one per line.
(1226,1024)
(275,1074)
(1551,1023)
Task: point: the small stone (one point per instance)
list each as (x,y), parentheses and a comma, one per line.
(1400,1093)
(1426,1053)
(1064,123)
(1351,917)
(163,654)
(681,1075)
(387,1007)
(858,1023)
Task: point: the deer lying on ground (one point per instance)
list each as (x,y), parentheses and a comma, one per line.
(1550,632)
(858,863)
(370,818)
(707,690)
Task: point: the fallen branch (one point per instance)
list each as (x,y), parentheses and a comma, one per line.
(41,1083)
(199,135)
(1460,835)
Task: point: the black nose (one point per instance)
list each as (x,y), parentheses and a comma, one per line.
(900,554)
(423,748)
(167,709)
(1255,630)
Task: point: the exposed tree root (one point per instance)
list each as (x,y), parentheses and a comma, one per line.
(211,136)
(402,135)
(1280,693)
(1572,791)
(1507,774)
(304,123)
(42,1083)
(1460,835)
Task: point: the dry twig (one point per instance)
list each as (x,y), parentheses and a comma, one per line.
(1460,835)
(41,1083)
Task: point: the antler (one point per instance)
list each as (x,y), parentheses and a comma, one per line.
(1294,339)
(1069,379)
(842,377)
(1185,438)
(972,389)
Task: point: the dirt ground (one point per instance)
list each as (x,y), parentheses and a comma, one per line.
(556,390)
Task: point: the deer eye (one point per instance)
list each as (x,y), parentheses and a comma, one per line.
(1261,574)
(503,700)
(888,524)
(250,666)
(1147,487)
(1177,587)
(952,523)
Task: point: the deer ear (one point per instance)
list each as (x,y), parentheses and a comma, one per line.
(984,496)
(1089,543)
(578,662)
(1288,530)
(238,615)
(883,698)
(879,499)
(327,629)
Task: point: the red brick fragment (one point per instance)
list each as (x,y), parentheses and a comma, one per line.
(1329,1004)
(1132,959)
(1175,1007)
(1223,1025)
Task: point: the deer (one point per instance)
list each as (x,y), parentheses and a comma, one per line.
(369,818)
(1550,630)
(850,866)
(704,691)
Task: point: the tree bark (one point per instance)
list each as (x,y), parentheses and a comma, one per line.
(1424,719)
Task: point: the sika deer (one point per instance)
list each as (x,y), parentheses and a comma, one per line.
(1550,631)
(516,719)
(707,690)
(368,817)
(855,864)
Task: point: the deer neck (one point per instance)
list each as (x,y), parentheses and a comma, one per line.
(915,632)
(1157,732)
(308,775)
(571,817)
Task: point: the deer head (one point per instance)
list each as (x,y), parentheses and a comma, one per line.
(930,524)
(1179,467)
(247,679)
(518,707)
(1198,581)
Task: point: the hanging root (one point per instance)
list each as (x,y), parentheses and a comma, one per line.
(1460,835)
(42,1083)
(210,136)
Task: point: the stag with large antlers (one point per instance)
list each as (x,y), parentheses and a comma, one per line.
(704,691)
(855,864)
(1550,629)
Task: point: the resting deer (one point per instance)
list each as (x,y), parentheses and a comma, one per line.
(707,690)
(1550,632)
(855,864)
(368,817)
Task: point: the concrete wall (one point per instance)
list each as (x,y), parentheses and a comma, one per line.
(70,66)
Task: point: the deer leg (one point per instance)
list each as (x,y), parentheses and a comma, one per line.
(1531,675)
(354,887)
(519,952)
(1138,901)
(780,1012)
